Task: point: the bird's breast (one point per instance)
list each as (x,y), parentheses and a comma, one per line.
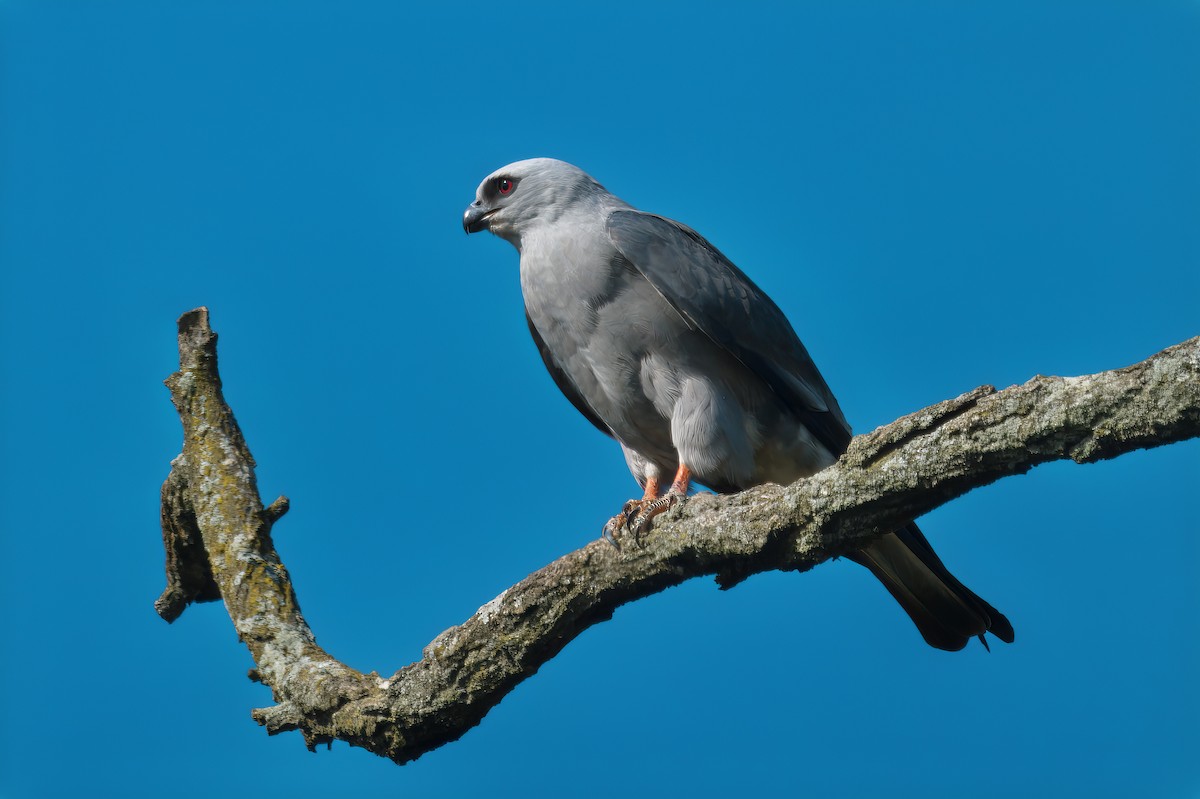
(609,331)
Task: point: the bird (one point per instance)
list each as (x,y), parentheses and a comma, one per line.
(663,344)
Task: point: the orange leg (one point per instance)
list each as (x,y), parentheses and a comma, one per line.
(637,513)
(677,491)
(652,490)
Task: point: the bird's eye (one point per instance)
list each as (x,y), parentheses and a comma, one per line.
(505,185)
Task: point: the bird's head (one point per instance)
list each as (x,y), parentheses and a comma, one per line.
(516,197)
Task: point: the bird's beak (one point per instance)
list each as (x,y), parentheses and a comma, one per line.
(476,217)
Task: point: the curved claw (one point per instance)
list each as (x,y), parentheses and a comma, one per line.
(622,521)
(611,528)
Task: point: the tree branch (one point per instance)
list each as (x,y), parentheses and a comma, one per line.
(217,537)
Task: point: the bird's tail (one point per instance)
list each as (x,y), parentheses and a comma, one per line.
(947,613)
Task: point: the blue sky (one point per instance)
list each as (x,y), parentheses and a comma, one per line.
(937,196)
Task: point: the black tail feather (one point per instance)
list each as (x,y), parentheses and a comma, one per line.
(946,612)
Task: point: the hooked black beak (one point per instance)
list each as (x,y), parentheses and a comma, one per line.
(476,217)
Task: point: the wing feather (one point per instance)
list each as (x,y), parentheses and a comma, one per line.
(564,382)
(719,300)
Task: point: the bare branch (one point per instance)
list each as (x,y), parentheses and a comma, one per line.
(217,537)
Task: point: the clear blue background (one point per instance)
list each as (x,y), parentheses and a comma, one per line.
(938,196)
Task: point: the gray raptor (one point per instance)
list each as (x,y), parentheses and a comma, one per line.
(665,345)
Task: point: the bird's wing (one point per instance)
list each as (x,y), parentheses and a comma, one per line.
(563,381)
(717,299)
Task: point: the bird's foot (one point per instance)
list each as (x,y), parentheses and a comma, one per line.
(613,527)
(635,517)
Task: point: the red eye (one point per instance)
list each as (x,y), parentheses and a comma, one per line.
(505,186)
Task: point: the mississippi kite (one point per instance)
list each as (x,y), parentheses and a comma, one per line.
(665,345)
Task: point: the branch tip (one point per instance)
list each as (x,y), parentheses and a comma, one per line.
(193,319)
(283,717)
(197,341)
(275,511)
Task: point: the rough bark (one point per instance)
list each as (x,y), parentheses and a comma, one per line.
(217,537)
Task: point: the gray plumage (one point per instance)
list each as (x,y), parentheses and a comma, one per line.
(665,345)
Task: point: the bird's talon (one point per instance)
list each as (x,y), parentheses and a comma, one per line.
(631,520)
(611,528)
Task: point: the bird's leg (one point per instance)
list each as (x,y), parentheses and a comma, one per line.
(631,510)
(648,510)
